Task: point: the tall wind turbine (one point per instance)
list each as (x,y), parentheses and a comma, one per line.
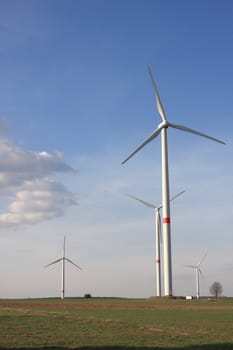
(63,259)
(162,128)
(158,237)
(197,270)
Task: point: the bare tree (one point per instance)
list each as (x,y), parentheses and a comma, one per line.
(216,289)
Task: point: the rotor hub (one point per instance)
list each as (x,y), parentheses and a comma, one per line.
(163,124)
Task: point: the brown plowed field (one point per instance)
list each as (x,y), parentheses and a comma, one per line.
(89,304)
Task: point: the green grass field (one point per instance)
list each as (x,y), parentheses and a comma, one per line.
(116,324)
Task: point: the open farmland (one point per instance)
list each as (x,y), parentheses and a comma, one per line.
(116,324)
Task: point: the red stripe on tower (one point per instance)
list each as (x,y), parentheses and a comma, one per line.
(157,261)
(166,220)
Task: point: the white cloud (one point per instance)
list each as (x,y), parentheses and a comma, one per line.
(37,200)
(24,180)
(18,164)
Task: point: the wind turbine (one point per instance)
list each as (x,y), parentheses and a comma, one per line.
(198,270)
(158,237)
(63,259)
(162,128)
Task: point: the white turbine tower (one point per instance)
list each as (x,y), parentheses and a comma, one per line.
(158,238)
(63,259)
(162,128)
(197,272)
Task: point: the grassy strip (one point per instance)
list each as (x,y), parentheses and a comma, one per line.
(115,323)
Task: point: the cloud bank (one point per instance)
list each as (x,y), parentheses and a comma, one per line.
(26,182)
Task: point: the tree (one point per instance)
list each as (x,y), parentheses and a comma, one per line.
(216,289)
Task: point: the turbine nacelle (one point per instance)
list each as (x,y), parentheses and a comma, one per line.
(163,124)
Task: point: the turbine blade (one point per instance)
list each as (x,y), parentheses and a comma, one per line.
(141,201)
(149,139)
(201,260)
(54,262)
(152,205)
(191,266)
(184,128)
(177,195)
(70,261)
(158,101)
(159,226)
(201,273)
(64,245)
(172,198)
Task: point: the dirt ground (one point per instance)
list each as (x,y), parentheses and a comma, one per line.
(191,305)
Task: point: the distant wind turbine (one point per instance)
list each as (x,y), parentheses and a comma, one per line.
(158,237)
(162,128)
(63,259)
(197,271)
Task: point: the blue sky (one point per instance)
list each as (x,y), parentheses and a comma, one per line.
(76,99)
